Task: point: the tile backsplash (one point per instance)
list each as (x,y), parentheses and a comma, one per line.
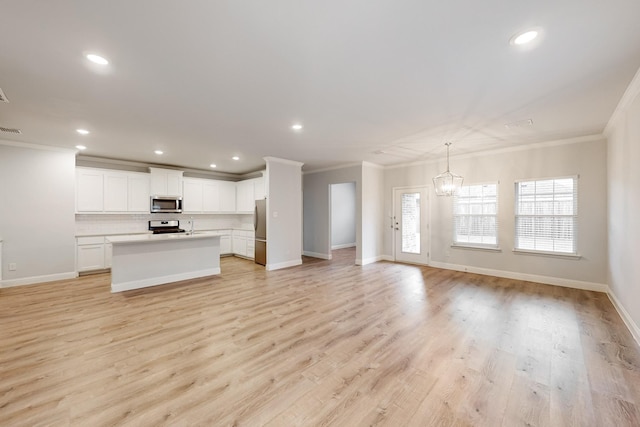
(97,224)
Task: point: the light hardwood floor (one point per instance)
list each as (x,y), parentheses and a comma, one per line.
(326,343)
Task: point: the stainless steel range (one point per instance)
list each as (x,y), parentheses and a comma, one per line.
(163,227)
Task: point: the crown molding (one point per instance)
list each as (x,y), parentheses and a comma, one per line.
(630,94)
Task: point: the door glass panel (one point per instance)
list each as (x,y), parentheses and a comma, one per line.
(411,223)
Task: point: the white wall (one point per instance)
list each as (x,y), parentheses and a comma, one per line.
(37,213)
(373,217)
(284,213)
(623,134)
(316,231)
(586,158)
(343,215)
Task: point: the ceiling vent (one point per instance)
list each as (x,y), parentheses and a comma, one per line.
(10,130)
(3,97)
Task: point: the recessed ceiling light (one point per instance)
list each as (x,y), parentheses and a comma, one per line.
(83,131)
(97,59)
(213,165)
(296,126)
(236,158)
(81,147)
(525,37)
(159,152)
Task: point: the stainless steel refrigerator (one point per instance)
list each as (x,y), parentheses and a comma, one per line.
(260,227)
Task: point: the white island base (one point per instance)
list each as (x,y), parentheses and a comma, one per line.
(149,260)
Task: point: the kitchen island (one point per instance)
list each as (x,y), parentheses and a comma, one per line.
(140,261)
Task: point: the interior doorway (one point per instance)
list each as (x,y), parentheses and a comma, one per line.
(342,228)
(410,225)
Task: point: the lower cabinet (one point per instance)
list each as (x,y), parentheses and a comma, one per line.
(225,242)
(243,243)
(91,254)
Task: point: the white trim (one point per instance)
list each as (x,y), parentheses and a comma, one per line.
(38,279)
(627,98)
(37,146)
(547,253)
(346,245)
(626,318)
(371,260)
(524,147)
(476,247)
(547,280)
(332,168)
(285,264)
(285,161)
(386,258)
(153,281)
(316,255)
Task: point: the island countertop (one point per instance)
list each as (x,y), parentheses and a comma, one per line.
(140,238)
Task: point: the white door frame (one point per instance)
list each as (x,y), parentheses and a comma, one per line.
(425,225)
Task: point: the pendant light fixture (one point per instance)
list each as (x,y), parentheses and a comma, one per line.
(447,183)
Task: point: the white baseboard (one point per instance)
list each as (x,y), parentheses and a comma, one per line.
(556,281)
(386,258)
(346,245)
(626,318)
(370,260)
(154,281)
(38,279)
(316,255)
(285,264)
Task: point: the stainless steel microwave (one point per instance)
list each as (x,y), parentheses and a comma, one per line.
(166,204)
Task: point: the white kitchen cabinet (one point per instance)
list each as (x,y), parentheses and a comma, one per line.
(115,192)
(243,243)
(138,192)
(89,190)
(166,182)
(227,196)
(192,195)
(245,200)
(201,195)
(259,192)
(239,244)
(225,242)
(210,196)
(90,253)
(109,191)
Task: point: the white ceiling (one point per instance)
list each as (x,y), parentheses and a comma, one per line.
(380,81)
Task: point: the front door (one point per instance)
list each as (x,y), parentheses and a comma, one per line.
(410,226)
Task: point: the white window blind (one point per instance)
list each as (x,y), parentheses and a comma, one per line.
(546,215)
(475,216)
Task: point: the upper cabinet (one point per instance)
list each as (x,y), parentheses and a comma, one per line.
(89,190)
(247,192)
(101,190)
(208,196)
(166,182)
(245,200)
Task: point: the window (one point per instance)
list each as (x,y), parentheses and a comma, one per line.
(475,216)
(546,215)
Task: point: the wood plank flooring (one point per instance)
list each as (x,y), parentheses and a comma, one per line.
(327,343)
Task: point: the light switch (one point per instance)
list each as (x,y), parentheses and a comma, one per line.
(275,214)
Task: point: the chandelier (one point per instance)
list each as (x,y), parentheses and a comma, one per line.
(447,183)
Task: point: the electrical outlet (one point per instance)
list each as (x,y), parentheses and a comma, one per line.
(13,266)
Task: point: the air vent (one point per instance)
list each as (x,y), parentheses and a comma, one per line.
(3,97)
(10,130)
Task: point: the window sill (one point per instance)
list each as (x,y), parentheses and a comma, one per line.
(476,248)
(547,254)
